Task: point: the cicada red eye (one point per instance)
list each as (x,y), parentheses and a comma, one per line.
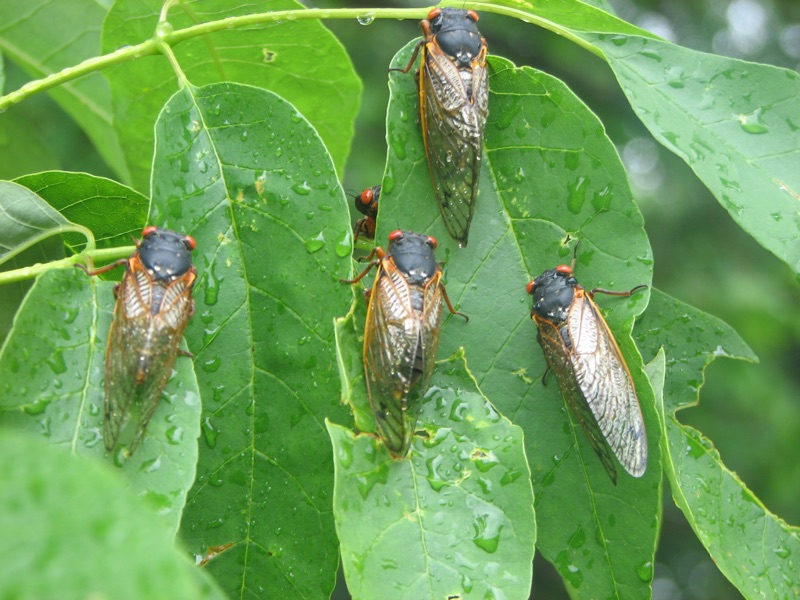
(566,269)
(395,235)
(190,243)
(149,230)
(435,12)
(473,15)
(529,287)
(367,196)
(432,241)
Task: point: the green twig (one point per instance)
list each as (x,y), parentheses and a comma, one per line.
(164,36)
(61,229)
(87,257)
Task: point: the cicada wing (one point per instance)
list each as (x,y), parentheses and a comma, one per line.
(559,359)
(453,112)
(142,349)
(393,358)
(431,319)
(606,384)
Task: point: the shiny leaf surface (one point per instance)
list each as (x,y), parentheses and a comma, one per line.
(240,170)
(455,519)
(300,60)
(755,549)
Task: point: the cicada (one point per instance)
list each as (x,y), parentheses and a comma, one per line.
(589,368)
(153,305)
(402,333)
(367,204)
(453,105)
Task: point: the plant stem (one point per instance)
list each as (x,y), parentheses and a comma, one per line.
(87,257)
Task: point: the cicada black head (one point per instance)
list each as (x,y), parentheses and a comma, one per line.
(165,254)
(413,255)
(456,33)
(367,201)
(553,292)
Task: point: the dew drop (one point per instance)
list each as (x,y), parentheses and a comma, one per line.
(366,18)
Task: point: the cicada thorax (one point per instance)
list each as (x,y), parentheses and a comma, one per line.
(401,335)
(153,307)
(589,368)
(367,204)
(454,105)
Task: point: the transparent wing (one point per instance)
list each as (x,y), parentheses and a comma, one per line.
(606,384)
(560,361)
(453,107)
(141,351)
(394,358)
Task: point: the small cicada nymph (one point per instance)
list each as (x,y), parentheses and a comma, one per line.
(453,105)
(367,204)
(153,305)
(402,333)
(589,368)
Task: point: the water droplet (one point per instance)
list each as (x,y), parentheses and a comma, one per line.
(510,477)
(366,18)
(36,408)
(302,188)
(209,433)
(752,123)
(434,479)
(316,244)
(645,571)
(174,435)
(56,362)
(486,527)
(151,465)
(783,551)
(163,29)
(484,460)
(211,365)
(369,479)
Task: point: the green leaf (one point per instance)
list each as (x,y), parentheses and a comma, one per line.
(735,124)
(549,175)
(453,520)
(45,37)
(300,60)
(112,211)
(71,530)
(349,331)
(247,176)
(25,222)
(51,384)
(752,547)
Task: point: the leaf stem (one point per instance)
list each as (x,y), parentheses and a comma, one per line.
(32,241)
(103,255)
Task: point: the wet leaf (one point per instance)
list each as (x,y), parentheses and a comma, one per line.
(300,60)
(733,122)
(51,385)
(57,547)
(45,37)
(550,175)
(453,520)
(244,173)
(114,212)
(754,549)
(25,220)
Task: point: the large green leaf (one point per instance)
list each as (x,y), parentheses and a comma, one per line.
(301,60)
(735,123)
(550,175)
(754,548)
(26,222)
(51,384)
(113,212)
(453,520)
(243,172)
(45,37)
(71,530)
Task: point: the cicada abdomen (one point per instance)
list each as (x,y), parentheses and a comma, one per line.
(367,204)
(402,334)
(589,368)
(153,306)
(454,105)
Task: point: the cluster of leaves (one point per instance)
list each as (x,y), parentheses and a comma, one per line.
(251,457)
